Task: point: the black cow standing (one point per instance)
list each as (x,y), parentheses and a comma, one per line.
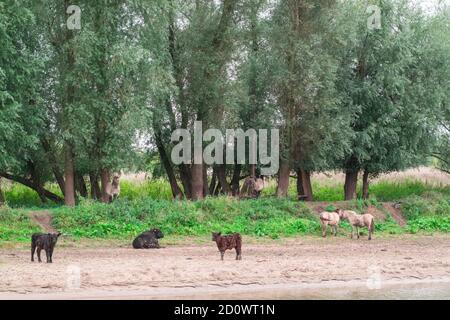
(46,241)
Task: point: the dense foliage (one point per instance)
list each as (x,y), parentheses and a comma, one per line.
(77,105)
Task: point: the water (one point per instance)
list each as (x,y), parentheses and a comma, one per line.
(352,290)
(401,291)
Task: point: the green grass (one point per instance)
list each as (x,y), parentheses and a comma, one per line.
(149,204)
(155,189)
(269,217)
(15,225)
(19,196)
(391,191)
(382,190)
(124,219)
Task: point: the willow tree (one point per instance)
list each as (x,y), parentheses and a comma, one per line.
(116,73)
(435,64)
(21,68)
(304,68)
(389,87)
(97,91)
(199,49)
(247,104)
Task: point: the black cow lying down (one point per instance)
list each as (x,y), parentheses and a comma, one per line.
(148,239)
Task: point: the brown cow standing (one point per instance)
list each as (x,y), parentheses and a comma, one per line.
(228,242)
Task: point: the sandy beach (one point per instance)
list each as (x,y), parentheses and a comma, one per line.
(293,268)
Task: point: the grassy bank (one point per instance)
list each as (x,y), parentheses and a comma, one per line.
(425,204)
(266,217)
(19,196)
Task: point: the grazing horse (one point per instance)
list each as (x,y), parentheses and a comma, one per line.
(358,221)
(329,218)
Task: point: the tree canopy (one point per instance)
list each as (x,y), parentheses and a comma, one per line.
(348,90)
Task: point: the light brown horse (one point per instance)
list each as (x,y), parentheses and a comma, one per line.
(329,218)
(358,221)
(113,189)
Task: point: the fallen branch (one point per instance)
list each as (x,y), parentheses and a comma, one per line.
(30,184)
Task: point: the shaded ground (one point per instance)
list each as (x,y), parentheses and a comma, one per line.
(193,270)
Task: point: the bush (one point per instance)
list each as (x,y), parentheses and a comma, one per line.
(148,204)
(15,225)
(264,217)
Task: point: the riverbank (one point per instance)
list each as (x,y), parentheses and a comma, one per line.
(194,270)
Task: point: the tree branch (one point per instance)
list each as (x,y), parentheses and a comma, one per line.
(30,184)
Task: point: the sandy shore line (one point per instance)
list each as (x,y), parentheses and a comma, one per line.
(290,269)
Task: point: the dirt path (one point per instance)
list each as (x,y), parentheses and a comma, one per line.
(396,212)
(196,270)
(43,219)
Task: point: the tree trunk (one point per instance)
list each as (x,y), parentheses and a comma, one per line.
(235,180)
(221,175)
(59,177)
(306,185)
(81,185)
(186,180)
(217,189)
(69,185)
(2,197)
(212,185)
(365,188)
(253,170)
(205,181)
(36,180)
(106,185)
(69,170)
(197,181)
(176,191)
(95,188)
(351,181)
(30,184)
(283,179)
(300,191)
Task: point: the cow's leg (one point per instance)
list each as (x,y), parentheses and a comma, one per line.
(47,254)
(335,230)
(154,244)
(33,249)
(39,254)
(351,236)
(324,229)
(370,233)
(221,255)
(357,233)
